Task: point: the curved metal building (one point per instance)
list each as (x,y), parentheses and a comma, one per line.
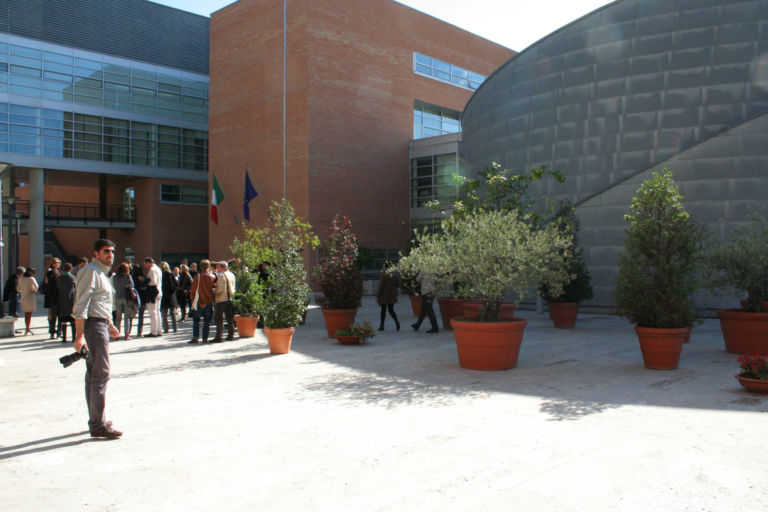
(633,87)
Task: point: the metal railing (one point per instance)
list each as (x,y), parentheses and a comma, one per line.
(85,212)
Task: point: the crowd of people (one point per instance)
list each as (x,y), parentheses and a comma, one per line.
(166,295)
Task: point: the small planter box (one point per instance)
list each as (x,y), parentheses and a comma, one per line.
(7,326)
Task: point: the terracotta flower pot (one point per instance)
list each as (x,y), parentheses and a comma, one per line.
(338,320)
(754,385)
(563,314)
(488,345)
(415,304)
(744,333)
(661,348)
(349,340)
(450,308)
(471,309)
(246,325)
(279,339)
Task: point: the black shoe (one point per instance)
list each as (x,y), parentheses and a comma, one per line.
(107,432)
(397,326)
(193,341)
(381,328)
(415,327)
(216,340)
(433,330)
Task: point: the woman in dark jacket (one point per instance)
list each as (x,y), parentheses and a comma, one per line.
(387,295)
(168,301)
(66,300)
(182,293)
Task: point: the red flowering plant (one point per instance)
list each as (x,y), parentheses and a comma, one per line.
(361,331)
(754,366)
(337,274)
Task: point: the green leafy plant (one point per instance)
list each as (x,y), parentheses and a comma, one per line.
(580,288)
(282,243)
(249,297)
(753,366)
(741,264)
(362,331)
(337,274)
(409,284)
(489,252)
(659,268)
(501,190)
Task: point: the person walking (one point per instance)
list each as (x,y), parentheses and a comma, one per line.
(10,292)
(93,328)
(27,289)
(122,287)
(386,295)
(224,309)
(66,301)
(138,273)
(182,292)
(201,293)
(427,297)
(154,295)
(51,302)
(168,302)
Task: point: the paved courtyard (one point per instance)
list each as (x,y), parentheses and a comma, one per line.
(392,425)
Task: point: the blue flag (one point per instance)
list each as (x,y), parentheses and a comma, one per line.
(250,193)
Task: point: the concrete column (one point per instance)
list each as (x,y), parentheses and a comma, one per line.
(35,222)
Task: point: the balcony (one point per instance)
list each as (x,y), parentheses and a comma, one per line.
(78,215)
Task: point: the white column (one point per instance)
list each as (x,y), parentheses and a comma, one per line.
(35,222)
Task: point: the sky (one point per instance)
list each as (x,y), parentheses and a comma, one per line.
(515,24)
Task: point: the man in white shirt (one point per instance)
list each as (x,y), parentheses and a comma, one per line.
(154,295)
(223,307)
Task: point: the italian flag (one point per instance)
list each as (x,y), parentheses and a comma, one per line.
(217,196)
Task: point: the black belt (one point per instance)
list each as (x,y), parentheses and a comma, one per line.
(97,319)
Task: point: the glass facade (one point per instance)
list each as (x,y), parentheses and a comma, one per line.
(432,179)
(54,133)
(183,194)
(445,72)
(431,120)
(61,76)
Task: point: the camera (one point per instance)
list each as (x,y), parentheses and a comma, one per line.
(73,357)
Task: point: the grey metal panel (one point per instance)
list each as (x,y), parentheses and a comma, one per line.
(134,29)
(636,86)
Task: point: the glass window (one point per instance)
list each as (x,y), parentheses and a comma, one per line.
(58,57)
(186,194)
(432,179)
(430,120)
(26,52)
(441,70)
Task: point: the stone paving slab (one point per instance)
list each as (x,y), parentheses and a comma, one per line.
(391,425)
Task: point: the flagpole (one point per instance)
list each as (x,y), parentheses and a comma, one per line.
(285,57)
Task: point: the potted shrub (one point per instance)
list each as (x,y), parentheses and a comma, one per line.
(741,265)
(658,271)
(249,296)
(564,307)
(491,252)
(494,189)
(356,334)
(286,236)
(338,276)
(754,373)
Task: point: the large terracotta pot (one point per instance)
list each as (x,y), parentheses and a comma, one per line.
(744,333)
(279,339)
(246,325)
(661,348)
(488,345)
(563,314)
(415,304)
(450,308)
(338,319)
(754,385)
(471,309)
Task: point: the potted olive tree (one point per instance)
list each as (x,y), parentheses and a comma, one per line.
(493,189)
(564,307)
(491,252)
(338,276)
(249,296)
(740,265)
(285,237)
(659,271)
